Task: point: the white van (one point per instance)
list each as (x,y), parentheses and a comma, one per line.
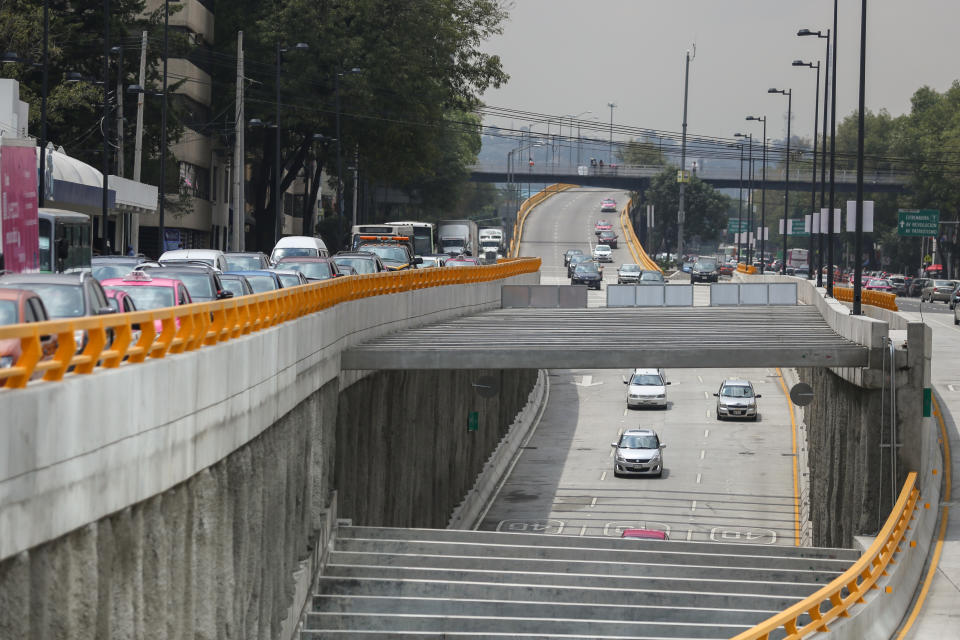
(212,257)
(299,247)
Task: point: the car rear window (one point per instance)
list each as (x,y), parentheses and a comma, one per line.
(319,270)
(148,297)
(61,300)
(8,312)
(299,252)
(243,263)
(360,265)
(260,284)
(199,285)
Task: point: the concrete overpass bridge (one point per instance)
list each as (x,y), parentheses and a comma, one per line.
(191,483)
(635,178)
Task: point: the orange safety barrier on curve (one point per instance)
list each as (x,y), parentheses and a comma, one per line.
(880,299)
(833,601)
(525,209)
(194,326)
(633,243)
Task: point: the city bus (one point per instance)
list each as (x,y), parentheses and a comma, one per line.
(66,241)
(423,237)
(382,232)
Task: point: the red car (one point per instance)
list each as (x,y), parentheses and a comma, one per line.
(602,225)
(608,204)
(879,284)
(16,307)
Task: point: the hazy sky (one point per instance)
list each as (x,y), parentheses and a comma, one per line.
(568,56)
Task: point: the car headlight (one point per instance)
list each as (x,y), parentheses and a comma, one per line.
(6,362)
(655,456)
(620,458)
(662,395)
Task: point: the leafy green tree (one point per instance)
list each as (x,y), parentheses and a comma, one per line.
(705,209)
(642,153)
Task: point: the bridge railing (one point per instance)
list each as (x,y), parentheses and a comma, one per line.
(133,337)
(835,600)
(774,174)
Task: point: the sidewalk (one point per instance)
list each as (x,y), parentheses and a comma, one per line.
(939,615)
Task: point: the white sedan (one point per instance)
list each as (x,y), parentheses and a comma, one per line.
(603,253)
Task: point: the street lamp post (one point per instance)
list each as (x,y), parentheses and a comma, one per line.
(612,107)
(277,197)
(786,193)
(749,137)
(858,228)
(336,91)
(813,175)
(823,165)
(763,191)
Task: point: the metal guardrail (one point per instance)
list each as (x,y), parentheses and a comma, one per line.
(833,601)
(193,326)
(774,174)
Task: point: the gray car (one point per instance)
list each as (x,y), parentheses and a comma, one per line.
(638,452)
(628,273)
(736,399)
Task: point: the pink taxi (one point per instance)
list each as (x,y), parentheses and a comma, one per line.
(150,293)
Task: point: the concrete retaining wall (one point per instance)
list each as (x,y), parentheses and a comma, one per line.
(405,457)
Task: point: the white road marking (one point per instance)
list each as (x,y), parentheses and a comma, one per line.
(698,478)
(583,530)
(626,410)
(706,395)
(593,502)
(693,506)
(706,433)
(603,476)
(689,534)
(700,379)
(702,453)
(708,413)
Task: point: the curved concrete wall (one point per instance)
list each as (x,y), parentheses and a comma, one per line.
(76,451)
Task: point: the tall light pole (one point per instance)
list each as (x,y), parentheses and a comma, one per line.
(277,197)
(833,152)
(763,191)
(163,129)
(858,232)
(42,188)
(749,137)
(612,107)
(786,192)
(681,213)
(823,165)
(572,118)
(336,90)
(813,175)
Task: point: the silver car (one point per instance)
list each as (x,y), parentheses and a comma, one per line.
(628,273)
(736,399)
(638,452)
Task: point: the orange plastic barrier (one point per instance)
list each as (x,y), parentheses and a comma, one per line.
(633,243)
(880,299)
(193,326)
(525,209)
(834,600)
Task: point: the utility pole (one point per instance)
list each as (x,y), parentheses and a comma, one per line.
(239,200)
(612,107)
(125,235)
(681,214)
(138,140)
(356,180)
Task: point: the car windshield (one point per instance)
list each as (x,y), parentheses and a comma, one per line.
(316,270)
(587,267)
(261,283)
(942,283)
(632,268)
(879,283)
(736,391)
(289,279)
(199,285)
(705,264)
(298,252)
(243,263)
(8,312)
(234,286)
(389,254)
(574,252)
(147,296)
(578,258)
(647,379)
(360,265)
(602,247)
(652,276)
(61,300)
(639,442)
(106,271)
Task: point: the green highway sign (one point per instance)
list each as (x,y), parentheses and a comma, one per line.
(918,222)
(798,227)
(737,225)
(473,420)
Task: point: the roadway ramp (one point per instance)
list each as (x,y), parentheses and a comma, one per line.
(427,583)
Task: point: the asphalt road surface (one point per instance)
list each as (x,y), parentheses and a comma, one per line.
(730,481)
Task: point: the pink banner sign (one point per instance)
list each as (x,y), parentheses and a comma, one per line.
(18,206)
